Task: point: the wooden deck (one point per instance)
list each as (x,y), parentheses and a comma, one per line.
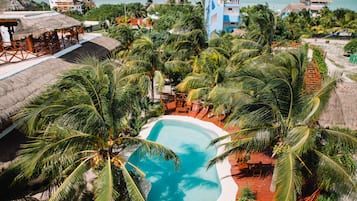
(259,182)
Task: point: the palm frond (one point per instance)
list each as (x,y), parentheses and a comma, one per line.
(196,94)
(301,139)
(104,190)
(317,103)
(220,157)
(338,175)
(131,186)
(345,137)
(288,183)
(69,183)
(153,148)
(159,79)
(192,82)
(137,169)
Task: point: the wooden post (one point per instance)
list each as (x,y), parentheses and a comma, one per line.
(29,43)
(1,43)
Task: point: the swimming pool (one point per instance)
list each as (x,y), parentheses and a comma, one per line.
(188,138)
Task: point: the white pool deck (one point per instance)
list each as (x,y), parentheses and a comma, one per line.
(229,187)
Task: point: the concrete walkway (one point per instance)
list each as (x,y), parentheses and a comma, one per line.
(338,65)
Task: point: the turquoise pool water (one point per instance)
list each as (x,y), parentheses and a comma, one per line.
(191,181)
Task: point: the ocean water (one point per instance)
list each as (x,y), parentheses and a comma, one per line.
(273,4)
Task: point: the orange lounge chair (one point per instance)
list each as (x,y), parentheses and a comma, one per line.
(203,112)
(183,109)
(170,107)
(196,107)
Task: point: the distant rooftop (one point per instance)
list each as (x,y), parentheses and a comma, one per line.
(316,1)
(20,14)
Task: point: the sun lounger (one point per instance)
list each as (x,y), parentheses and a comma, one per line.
(170,106)
(203,112)
(196,107)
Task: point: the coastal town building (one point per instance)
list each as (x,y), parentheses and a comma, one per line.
(70,5)
(65,5)
(311,5)
(221,15)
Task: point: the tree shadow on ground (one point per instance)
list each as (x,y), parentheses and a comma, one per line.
(171,185)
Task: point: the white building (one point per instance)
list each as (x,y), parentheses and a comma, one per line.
(66,5)
(221,15)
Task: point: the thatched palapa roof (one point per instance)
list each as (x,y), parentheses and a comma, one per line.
(20,88)
(37,25)
(341,110)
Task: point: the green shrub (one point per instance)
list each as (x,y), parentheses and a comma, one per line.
(247,195)
(319,58)
(351,46)
(156,110)
(325,197)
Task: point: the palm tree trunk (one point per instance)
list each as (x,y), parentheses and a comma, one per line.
(273,180)
(152,90)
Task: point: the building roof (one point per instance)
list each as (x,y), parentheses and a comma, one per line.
(294,7)
(18,89)
(317,1)
(16,15)
(36,25)
(341,110)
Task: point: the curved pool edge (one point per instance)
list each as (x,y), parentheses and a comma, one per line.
(229,187)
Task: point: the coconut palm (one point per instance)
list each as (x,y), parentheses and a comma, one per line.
(210,70)
(244,51)
(275,114)
(81,132)
(136,10)
(190,44)
(260,23)
(143,66)
(125,35)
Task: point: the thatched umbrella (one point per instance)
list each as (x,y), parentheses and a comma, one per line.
(37,25)
(341,110)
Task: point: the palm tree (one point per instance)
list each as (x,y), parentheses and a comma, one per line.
(210,70)
(143,66)
(277,115)
(136,10)
(82,126)
(190,44)
(244,51)
(125,35)
(260,23)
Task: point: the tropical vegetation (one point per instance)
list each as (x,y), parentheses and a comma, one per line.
(326,23)
(81,131)
(351,46)
(87,121)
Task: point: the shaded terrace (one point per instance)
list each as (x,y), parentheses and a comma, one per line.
(26,35)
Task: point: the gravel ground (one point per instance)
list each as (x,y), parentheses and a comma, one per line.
(336,62)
